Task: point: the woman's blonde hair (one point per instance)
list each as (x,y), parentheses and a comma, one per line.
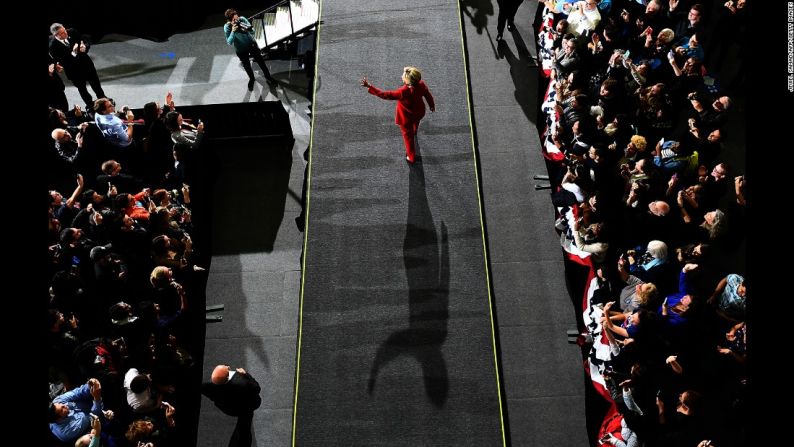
(639,142)
(412,75)
(646,294)
(160,276)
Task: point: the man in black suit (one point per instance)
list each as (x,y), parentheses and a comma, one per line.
(507,13)
(235,393)
(70,49)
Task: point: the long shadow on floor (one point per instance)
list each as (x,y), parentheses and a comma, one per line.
(523,71)
(479,18)
(427,270)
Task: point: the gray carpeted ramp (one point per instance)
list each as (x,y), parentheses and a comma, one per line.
(543,379)
(396,341)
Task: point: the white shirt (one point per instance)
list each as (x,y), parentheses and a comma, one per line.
(141,402)
(581,22)
(66,42)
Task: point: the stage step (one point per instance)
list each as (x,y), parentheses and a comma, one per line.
(284,21)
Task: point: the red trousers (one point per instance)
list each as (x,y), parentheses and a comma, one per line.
(409,138)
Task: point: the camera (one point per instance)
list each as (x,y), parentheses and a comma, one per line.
(575,167)
(692,96)
(242,25)
(645,258)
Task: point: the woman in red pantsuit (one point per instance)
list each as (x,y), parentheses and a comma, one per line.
(410,107)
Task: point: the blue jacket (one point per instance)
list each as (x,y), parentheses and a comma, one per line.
(78,421)
(240,40)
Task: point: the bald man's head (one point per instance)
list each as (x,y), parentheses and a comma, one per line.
(220,374)
(659,208)
(61,135)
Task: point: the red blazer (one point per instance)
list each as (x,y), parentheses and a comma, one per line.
(410,107)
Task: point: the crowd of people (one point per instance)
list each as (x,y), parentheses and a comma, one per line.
(122,265)
(635,120)
(635,117)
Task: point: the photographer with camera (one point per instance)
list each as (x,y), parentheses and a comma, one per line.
(239,34)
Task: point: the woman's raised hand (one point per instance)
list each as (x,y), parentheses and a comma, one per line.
(365,82)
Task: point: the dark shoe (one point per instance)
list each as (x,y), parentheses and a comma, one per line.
(499,37)
(511,27)
(251,85)
(299,222)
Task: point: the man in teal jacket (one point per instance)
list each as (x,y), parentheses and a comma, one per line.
(239,34)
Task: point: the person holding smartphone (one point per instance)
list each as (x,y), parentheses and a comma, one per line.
(93,438)
(629,437)
(182,133)
(70,413)
(584,17)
